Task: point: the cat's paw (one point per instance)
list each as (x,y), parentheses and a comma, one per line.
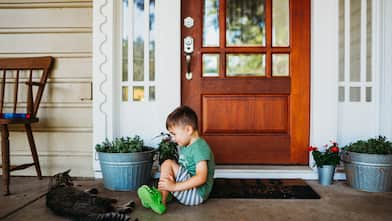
(92,191)
(131,204)
(124,210)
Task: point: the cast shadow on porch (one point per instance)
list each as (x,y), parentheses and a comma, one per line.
(338,202)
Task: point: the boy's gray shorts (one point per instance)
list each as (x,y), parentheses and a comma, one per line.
(189,197)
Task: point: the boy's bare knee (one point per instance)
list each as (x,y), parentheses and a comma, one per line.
(169,169)
(168,163)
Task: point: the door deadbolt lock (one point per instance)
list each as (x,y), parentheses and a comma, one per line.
(189,22)
(188,45)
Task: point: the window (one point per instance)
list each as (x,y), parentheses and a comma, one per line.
(138,50)
(356,77)
(246,39)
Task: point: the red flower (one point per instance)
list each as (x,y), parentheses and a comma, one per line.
(334,149)
(334,143)
(328,156)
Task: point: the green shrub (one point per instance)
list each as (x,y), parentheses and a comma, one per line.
(378,145)
(122,145)
(167,149)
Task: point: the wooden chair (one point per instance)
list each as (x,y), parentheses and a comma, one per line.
(19,74)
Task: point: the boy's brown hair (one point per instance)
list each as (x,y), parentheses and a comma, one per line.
(182,115)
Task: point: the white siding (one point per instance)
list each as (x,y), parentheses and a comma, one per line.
(62,29)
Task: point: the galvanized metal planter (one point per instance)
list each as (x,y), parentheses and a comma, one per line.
(126,171)
(325,174)
(368,172)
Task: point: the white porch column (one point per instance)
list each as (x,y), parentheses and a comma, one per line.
(324,72)
(385,64)
(103,69)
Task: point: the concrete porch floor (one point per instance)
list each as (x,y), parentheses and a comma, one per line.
(338,202)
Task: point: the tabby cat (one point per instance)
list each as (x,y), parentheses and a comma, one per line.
(65,200)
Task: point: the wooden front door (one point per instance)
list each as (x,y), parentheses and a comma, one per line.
(250,77)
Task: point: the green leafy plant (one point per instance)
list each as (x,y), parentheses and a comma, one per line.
(328,157)
(167,149)
(122,145)
(379,145)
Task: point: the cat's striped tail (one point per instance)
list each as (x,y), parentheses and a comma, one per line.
(109,217)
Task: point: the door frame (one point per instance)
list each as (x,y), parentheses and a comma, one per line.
(292,142)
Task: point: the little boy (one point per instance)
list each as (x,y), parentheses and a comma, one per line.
(190,181)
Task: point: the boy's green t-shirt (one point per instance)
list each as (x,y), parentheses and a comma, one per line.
(193,154)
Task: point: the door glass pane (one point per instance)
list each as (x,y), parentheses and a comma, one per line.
(355,40)
(125,31)
(341,40)
(245,65)
(151,93)
(368,94)
(369,41)
(211,23)
(245,23)
(138,40)
(210,65)
(152,41)
(341,94)
(355,94)
(124,93)
(280,65)
(280,23)
(138,93)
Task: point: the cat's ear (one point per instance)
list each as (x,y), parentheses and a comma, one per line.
(67,172)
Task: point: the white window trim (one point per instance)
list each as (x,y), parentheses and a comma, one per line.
(107,71)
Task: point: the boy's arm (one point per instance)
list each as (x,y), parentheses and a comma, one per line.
(197,180)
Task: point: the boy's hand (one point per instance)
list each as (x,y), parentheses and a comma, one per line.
(167,184)
(197,180)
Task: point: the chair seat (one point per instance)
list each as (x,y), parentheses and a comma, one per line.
(18,120)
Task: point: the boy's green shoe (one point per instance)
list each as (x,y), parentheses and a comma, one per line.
(151,198)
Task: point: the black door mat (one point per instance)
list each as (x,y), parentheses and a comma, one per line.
(262,189)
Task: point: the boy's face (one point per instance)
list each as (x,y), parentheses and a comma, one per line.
(181,134)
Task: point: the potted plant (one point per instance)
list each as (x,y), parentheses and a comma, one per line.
(167,149)
(125,163)
(368,164)
(326,162)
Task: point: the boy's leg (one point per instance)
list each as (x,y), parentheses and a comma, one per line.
(189,197)
(169,169)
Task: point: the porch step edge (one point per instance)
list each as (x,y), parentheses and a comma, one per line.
(272,172)
(305,173)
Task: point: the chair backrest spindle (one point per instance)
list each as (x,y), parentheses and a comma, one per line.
(29,108)
(2,90)
(43,65)
(16,88)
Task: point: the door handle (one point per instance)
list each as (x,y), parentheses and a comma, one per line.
(188,74)
(188,49)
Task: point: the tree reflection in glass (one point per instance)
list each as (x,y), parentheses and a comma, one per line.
(138,40)
(245,65)
(245,23)
(210,23)
(210,65)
